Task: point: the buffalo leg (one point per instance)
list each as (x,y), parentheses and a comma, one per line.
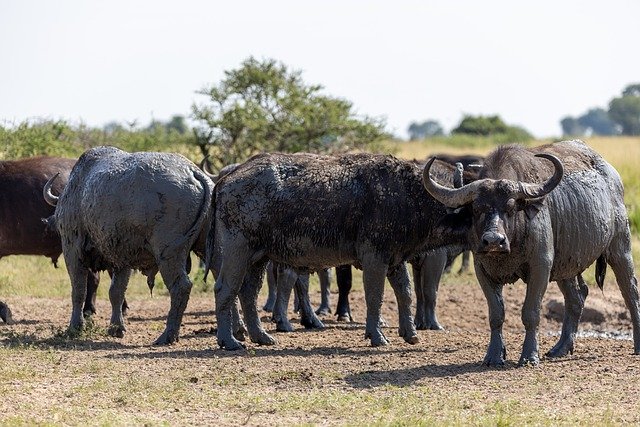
(536,287)
(226,289)
(575,293)
(466,256)
(621,262)
(308,317)
(428,281)
(93,280)
(344,280)
(286,279)
(399,279)
(5,313)
(271,287)
(175,276)
(249,302)
(496,353)
(119,282)
(373,274)
(78,276)
(324,276)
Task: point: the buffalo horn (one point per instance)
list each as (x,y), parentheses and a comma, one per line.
(450,197)
(46,191)
(532,191)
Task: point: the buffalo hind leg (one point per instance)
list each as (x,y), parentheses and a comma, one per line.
(324,276)
(399,279)
(78,276)
(308,317)
(173,273)
(575,293)
(285,281)
(344,279)
(497,352)
(621,262)
(271,287)
(249,302)
(117,289)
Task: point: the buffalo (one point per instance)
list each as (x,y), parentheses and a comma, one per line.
(545,214)
(310,211)
(122,211)
(22,209)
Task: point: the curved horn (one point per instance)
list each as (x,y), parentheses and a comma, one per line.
(532,191)
(46,191)
(204,166)
(449,197)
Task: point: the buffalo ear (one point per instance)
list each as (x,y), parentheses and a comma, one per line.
(531,207)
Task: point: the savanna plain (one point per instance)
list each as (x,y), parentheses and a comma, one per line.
(317,377)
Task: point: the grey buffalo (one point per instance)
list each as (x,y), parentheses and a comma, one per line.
(122,211)
(309,211)
(545,214)
(22,209)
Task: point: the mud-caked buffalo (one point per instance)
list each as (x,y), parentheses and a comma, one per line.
(122,211)
(22,231)
(309,211)
(545,214)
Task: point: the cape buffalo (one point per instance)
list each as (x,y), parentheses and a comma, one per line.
(122,211)
(310,211)
(545,232)
(22,231)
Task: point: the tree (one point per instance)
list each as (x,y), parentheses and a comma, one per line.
(598,121)
(263,106)
(481,125)
(625,110)
(425,129)
(571,126)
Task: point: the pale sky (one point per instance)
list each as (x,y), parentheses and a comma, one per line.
(530,62)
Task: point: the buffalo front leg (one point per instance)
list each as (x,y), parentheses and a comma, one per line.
(117,289)
(621,261)
(308,317)
(373,275)
(5,313)
(249,302)
(575,293)
(430,274)
(286,279)
(399,279)
(536,287)
(496,353)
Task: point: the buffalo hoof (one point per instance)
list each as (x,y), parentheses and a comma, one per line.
(529,361)
(88,312)
(560,350)
(231,345)
(116,331)
(432,325)
(264,338)
(412,339)
(495,358)
(5,314)
(345,317)
(284,326)
(241,333)
(311,323)
(377,339)
(323,311)
(166,339)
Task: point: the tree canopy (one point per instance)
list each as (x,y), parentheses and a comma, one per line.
(625,110)
(264,106)
(425,129)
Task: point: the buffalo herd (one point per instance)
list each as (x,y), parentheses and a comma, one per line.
(538,214)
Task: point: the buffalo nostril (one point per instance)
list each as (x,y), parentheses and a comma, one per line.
(503,241)
(485,242)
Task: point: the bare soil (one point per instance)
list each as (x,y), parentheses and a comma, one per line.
(329,376)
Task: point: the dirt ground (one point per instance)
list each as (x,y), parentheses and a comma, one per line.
(331,376)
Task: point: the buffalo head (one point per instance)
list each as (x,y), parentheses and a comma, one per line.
(494,203)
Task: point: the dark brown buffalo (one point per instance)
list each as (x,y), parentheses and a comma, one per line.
(22,231)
